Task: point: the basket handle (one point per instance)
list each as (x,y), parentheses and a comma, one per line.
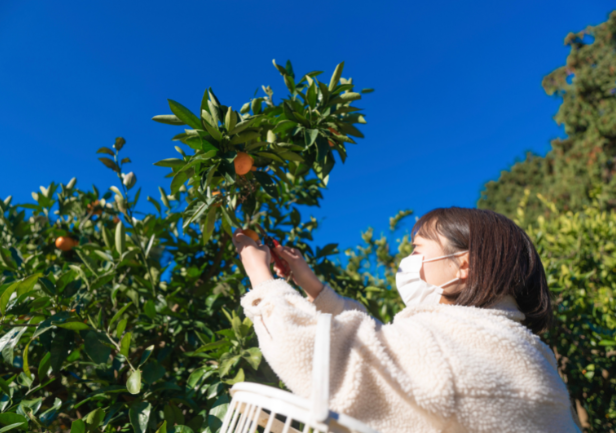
(320,369)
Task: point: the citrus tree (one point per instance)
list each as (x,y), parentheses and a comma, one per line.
(118,320)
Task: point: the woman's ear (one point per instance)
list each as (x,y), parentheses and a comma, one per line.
(463,270)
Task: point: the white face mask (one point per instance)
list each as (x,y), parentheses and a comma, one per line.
(414,290)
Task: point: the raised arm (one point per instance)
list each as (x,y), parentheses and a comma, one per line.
(320,294)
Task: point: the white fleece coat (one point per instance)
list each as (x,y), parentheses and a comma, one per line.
(440,368)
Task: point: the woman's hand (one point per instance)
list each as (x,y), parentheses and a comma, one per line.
(255,258)
(302,274)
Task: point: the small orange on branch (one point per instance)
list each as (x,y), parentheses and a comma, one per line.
(251,234)
(65,243)
(243,163)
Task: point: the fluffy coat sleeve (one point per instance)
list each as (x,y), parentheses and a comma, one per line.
(330,302)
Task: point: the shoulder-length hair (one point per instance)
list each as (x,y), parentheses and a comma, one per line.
(503,261)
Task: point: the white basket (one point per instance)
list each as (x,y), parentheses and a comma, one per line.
(255,405)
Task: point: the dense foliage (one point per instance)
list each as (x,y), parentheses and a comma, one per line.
(113,320)
(579,255)
(586,157)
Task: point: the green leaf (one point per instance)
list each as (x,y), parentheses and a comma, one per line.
(121,327)
(310,136)
(239,377)
(106,150)
(120,238)
(117,315)
(163,428)
(367,90)
(94,418)
(267,183)
(344,98)
(26,365)
(150,309)
(195,376)
(173,415)
(152,372)
(133,383)
(11,427)
(125,344)
(178,181)
(78,426)
(184,114)
(146,354)
(6,296)
(253,357)
(282,70)
(217,413)
(311,95)
(60,347)
(230,119)
(210,222)
(171,162)
(119,143)
(95,348)
(290,83)
(244,137)
(227,365)
(74,326)
(43,367)
(270,155)
(139,415)
(333,82)
(110,164)
(9,341)
(28,284)
(10,418)
(243,125)
(169,119)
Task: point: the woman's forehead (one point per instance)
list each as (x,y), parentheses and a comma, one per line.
(419,240)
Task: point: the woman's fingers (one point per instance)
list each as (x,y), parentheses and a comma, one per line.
(287,253)
(241,241)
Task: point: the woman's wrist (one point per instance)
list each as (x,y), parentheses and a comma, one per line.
(259,276)
(312,287)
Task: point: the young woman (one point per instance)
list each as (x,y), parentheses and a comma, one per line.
(464,356)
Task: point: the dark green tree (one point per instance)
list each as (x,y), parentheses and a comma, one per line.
(570,173)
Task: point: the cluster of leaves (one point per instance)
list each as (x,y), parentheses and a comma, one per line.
(579,256)
(587,156)
(135,325)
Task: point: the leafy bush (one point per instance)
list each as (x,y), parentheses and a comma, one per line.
(115,320)
(579,255)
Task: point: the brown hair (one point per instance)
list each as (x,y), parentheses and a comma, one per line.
(503,261)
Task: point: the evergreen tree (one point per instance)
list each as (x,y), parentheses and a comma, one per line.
(570,172)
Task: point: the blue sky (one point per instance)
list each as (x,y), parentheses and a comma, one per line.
(458,88)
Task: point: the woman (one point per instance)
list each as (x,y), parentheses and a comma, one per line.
(464,356)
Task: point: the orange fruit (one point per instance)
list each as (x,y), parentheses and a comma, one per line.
(253,168)
(65,243)
(116,220)
(243,163)
(95,208)
(333,131)
(251,234)
(330,143)
(215,192)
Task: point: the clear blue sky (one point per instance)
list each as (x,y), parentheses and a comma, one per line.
(458,88)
